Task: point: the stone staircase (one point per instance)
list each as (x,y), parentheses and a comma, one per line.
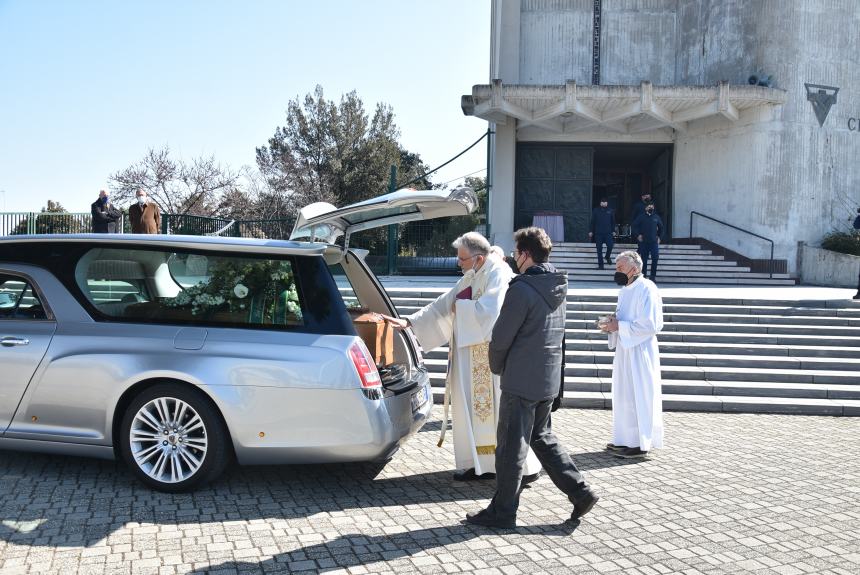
(731,355)
(679,264)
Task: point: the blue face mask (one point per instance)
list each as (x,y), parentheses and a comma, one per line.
(104,200)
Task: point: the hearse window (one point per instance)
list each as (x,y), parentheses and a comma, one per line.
(18,300)
(182,287)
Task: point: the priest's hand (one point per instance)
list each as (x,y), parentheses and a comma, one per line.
(611,326)
(398,323)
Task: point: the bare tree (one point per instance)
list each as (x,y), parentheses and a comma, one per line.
(177,187)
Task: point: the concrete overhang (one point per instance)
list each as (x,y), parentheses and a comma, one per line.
(571,108)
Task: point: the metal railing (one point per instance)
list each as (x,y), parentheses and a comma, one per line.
(29,223)
(695,213)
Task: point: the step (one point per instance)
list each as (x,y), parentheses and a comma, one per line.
(664,281)
(799,406)
(606,357)
(731,388)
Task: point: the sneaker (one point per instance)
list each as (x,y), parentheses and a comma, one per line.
(470,475)
(487,519)
(584,504)
(613,447)
(631,453)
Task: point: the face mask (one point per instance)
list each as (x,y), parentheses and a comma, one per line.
(469,273)
(104,199)
(621,278)
(141,201)
(649,212)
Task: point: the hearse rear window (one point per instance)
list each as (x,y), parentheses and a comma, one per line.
(182,287)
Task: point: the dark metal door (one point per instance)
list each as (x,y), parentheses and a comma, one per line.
(554,178)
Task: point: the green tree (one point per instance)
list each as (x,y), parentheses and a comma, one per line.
(50,220)
(334,152)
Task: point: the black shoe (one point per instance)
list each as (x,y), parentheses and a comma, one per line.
(613,447)
(600,267)
(529,479)
(470,475)
(857,295)
(583,504)
(631,453)
(487,519)
(609,261)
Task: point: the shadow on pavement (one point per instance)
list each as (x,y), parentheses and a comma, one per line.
(70,502)
(354,549)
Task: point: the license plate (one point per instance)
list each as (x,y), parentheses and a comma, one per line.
(420,397)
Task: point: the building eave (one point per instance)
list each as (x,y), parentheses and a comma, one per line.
(570,108)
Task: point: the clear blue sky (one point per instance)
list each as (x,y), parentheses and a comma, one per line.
(89,85)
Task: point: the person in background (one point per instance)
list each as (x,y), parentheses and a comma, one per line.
(639,207)
(106,216)
(144,215)
(601,229)
(648,229)
(464,317)
(525,349)
(637,404)
(857,227)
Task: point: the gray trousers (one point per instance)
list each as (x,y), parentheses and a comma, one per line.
(524,423)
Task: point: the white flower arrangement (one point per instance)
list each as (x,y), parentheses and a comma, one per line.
(260,288)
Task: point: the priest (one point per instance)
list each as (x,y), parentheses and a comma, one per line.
(637,405)
(464,317)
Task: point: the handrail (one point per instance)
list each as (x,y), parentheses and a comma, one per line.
(693,212)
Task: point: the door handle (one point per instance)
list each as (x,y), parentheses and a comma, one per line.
(10,341)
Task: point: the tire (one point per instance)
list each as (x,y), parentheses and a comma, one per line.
(192,449)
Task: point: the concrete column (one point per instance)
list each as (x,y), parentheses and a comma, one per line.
(502,194)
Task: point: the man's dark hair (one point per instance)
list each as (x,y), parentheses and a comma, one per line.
(535,242)
(604,200)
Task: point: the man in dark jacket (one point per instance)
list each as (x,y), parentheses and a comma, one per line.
(648,229)
(602,226)
(105,215)
(527,337)
(857,227)
(639,207)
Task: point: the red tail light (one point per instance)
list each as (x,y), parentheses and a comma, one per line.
(364,365)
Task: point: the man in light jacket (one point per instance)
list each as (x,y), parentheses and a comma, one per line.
(525,350)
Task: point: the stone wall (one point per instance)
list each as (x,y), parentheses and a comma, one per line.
(826,268)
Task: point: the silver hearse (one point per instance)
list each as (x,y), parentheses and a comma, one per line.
(179,354)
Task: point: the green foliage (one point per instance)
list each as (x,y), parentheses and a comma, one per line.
(335,152)
(842,242)
(53,219)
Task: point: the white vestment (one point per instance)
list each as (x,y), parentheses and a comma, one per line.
(637,404)
(473,391)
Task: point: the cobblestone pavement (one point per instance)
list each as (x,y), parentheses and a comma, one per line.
(729,494)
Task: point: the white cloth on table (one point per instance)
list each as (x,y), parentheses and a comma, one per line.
(552,223)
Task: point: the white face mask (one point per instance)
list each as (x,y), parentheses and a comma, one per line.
(470,273)
(141,200)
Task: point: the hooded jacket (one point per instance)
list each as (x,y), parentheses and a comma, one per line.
(526,343)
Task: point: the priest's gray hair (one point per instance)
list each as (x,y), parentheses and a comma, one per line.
(632,257)
(474,243)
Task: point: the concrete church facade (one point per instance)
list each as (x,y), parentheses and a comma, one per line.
(610,98)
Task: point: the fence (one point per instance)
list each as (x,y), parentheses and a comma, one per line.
(422,247)
(20,223)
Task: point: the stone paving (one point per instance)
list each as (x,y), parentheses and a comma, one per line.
(729,494)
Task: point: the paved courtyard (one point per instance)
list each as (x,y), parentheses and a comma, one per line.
(729,494)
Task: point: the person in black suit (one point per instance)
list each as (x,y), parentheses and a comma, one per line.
(602,226)
(648,229)
(105,215)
